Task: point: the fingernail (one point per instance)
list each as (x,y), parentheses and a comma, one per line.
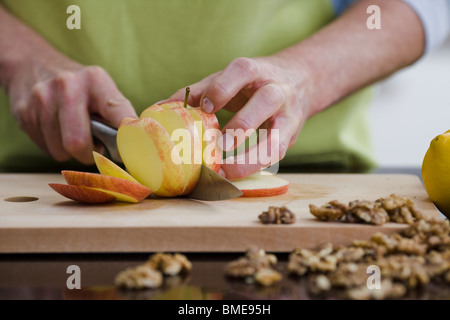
(227,141)
(222,173)
(207,105)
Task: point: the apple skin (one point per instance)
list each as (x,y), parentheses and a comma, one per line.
(262,185)
(177,117)
(268,192)
(82,194)
(132,191)
(145,148)
(209,121)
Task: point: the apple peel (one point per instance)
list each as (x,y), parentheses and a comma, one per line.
(82,194)
(262,184)
(131,191)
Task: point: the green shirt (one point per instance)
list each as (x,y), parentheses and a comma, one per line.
(151,48)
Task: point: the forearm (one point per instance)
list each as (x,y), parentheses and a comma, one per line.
(18,43)
(346,56)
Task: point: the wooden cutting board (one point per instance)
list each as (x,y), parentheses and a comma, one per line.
(52,223)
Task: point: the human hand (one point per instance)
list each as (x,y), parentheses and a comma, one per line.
(266,93)
(52,98)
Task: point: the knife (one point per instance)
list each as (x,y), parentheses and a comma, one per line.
(211,186)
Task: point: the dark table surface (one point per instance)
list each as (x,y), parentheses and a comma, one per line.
(45,276)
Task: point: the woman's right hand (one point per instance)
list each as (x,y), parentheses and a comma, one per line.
(52,98)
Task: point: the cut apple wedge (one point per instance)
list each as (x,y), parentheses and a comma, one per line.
(212,155)
(122,190)
(179,118)
(82,194)
(262,184)
(109,168)
(145,148)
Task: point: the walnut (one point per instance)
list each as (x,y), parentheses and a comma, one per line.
(139,277)
(389,242)
(333,210)
(438,263)
(366,212)
(349,254)
(409,246)
(254,266)
(186,265)
(401,209)
(303,260)
(349,275)
(267,276)
(277,215)
(242,267)
(436,227)
(409,269)
(150,273)
(394,208)
(407,259)
(169,264)
(260,256)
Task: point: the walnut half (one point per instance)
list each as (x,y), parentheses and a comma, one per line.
(277,215)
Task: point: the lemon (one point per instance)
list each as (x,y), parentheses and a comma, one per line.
(436,172)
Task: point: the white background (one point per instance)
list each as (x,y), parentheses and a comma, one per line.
(411,108)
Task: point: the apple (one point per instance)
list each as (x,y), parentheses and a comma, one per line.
(82,194)
(173,119)
(109,168)
(121,189)
(113,183)
(165,148)
(146,147)
(204,122)
(262,184)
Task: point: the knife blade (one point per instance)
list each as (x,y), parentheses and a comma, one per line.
(211,186)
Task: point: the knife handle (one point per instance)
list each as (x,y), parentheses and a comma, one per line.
(106,135)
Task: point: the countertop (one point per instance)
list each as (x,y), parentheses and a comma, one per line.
(45,277)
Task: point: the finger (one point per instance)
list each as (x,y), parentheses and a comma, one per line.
(271,148)
(266,101)
(237,102)
(73,117)
(46,99)
(239,74)
(28,111)
(105,98)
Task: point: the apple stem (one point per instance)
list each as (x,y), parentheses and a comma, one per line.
(186,96)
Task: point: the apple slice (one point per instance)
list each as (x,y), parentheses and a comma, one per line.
(180,118)
(145,148)
(122,190)
(109,168)
(261,184)
(82,194)
(203,121)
